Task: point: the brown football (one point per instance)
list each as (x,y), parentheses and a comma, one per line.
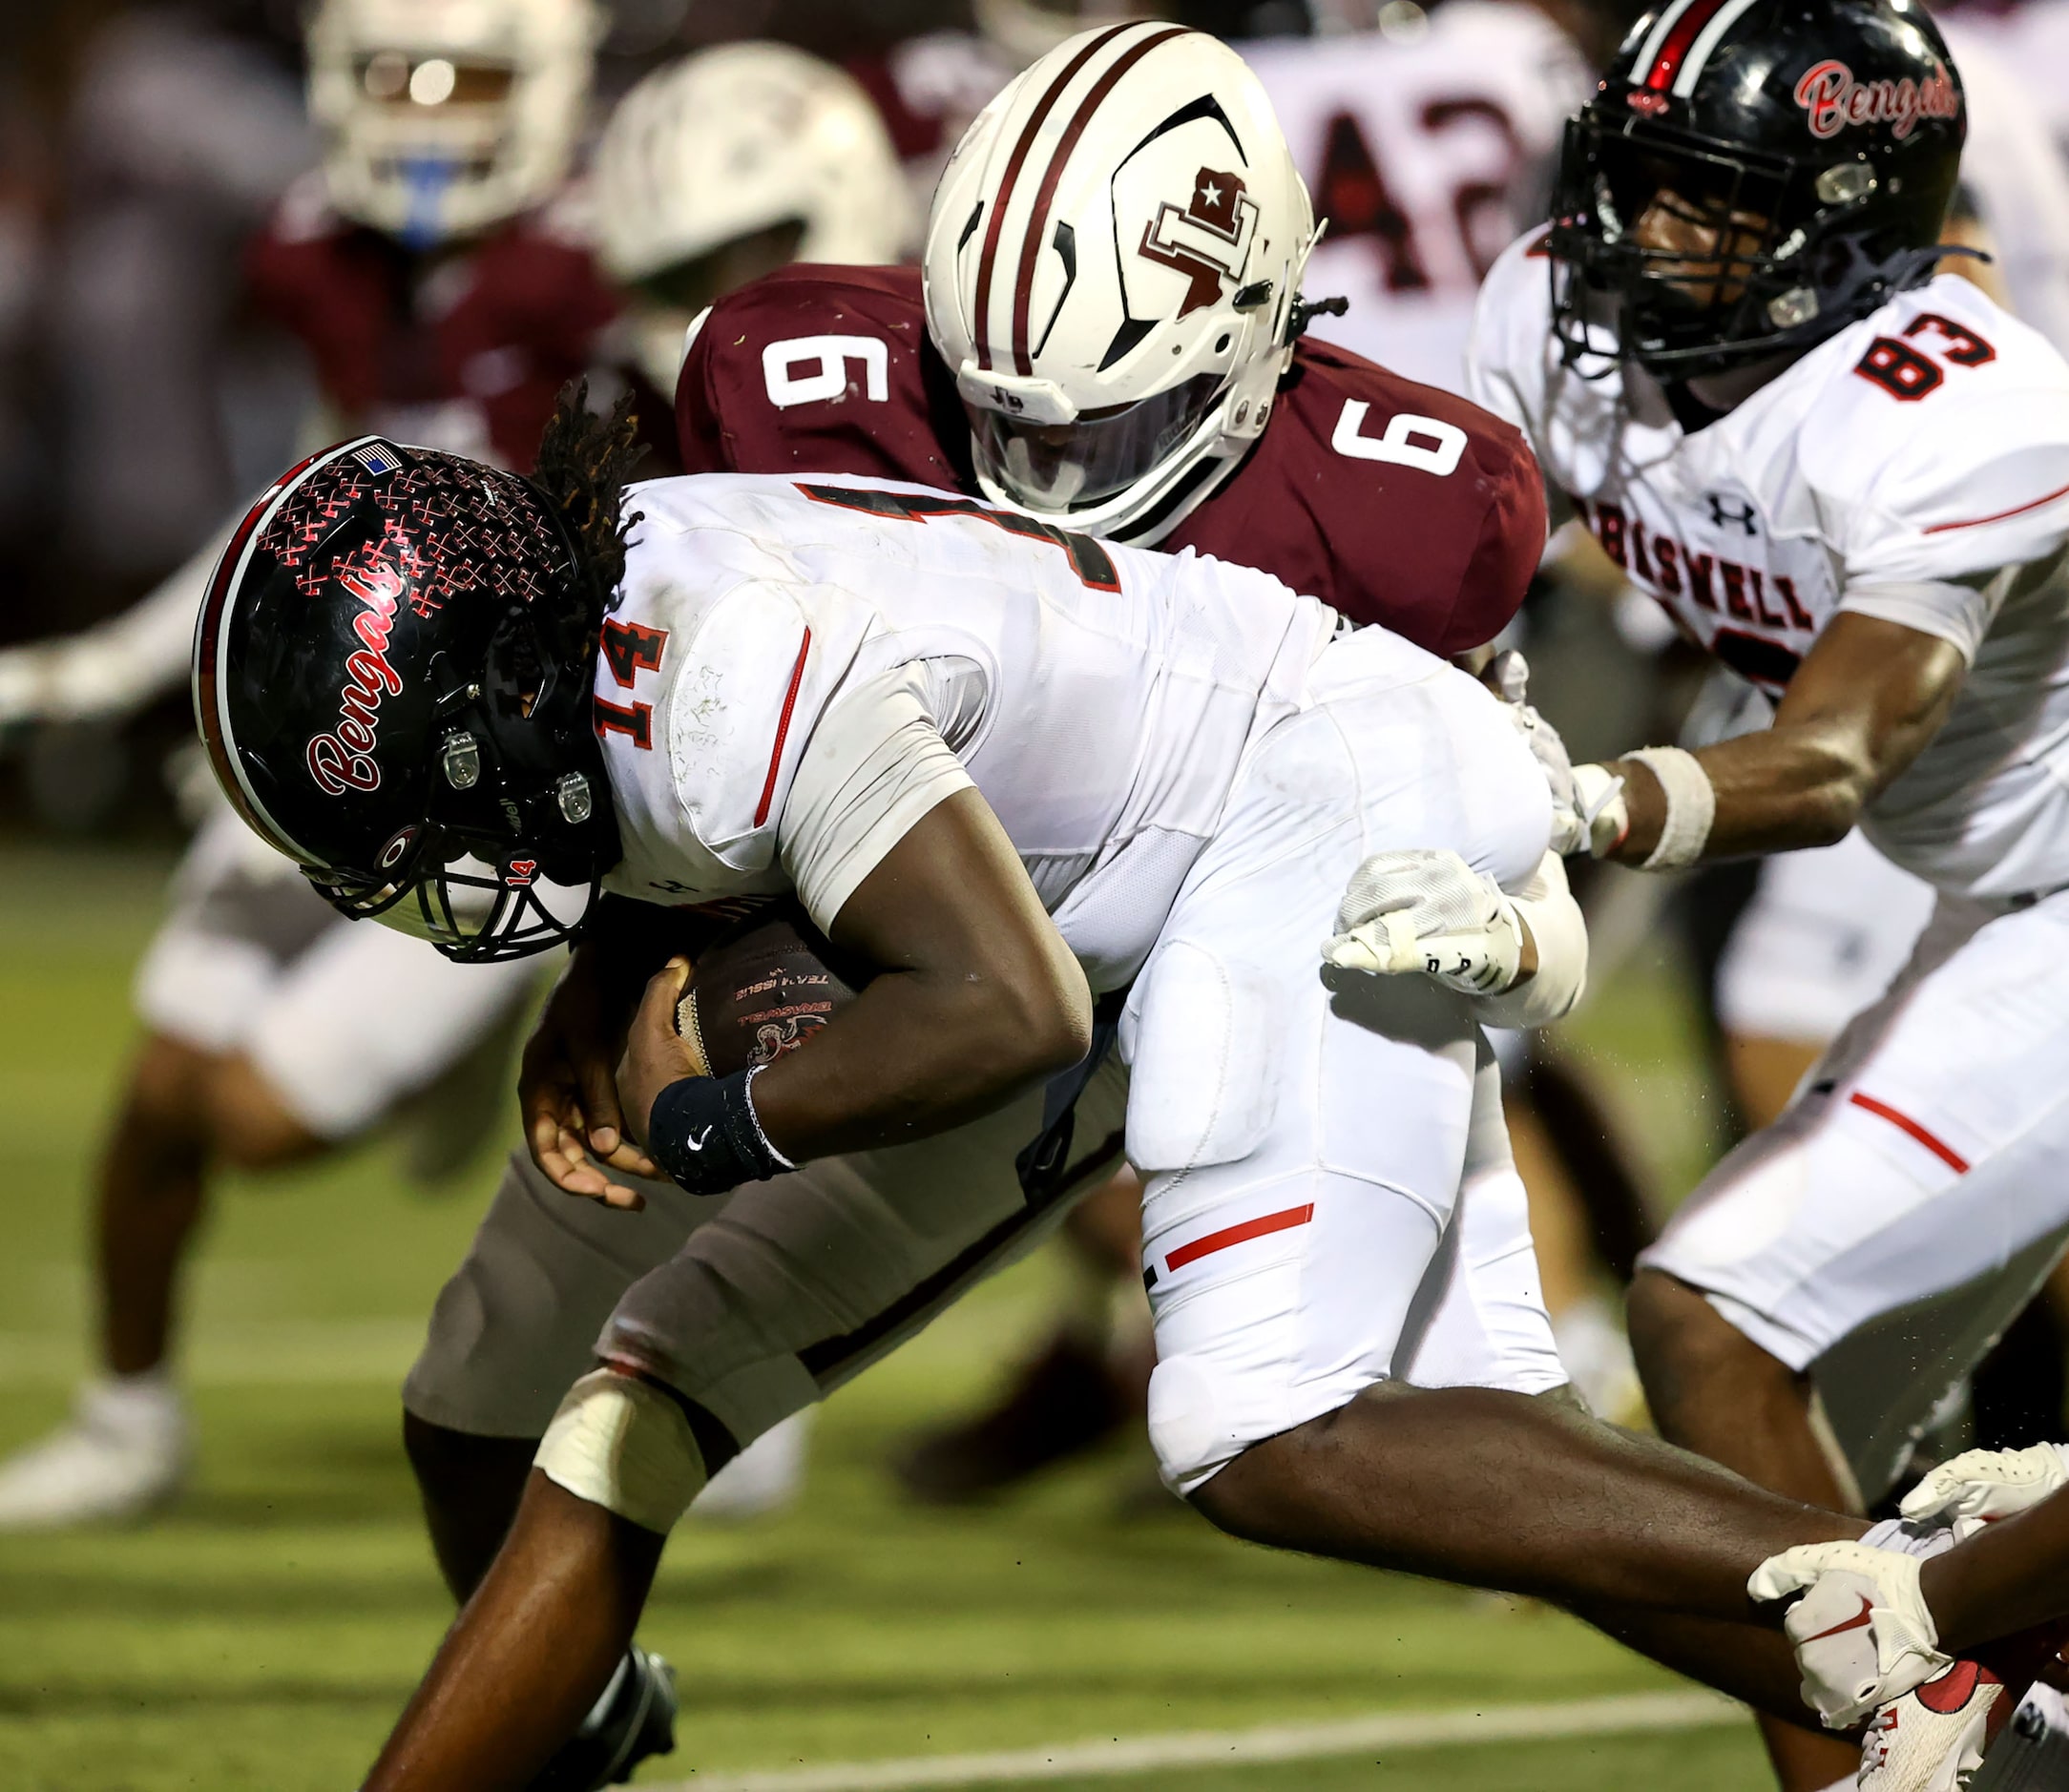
(763,988)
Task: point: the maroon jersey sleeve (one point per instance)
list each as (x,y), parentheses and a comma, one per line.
(822,370)
(1396,503)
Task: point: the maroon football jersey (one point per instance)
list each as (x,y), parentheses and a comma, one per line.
(1393,502)
(463,351)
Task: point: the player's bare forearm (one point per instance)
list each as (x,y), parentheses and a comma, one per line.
(2010,1578)
(1860,709)
(976,998)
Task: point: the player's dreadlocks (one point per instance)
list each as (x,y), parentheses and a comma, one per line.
(584,462)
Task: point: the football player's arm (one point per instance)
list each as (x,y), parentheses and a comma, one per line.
(117,666)
(975,997)
(567,1089)
(2010,1578)
(1867,697)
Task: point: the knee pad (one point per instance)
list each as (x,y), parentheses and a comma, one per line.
(1202,1053)
(1187,1429)
(621,1444)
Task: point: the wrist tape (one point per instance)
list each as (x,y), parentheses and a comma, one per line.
(704,1132)
(1691,806)
(621,1444)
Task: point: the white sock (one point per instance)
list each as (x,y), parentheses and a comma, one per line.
(140,1406)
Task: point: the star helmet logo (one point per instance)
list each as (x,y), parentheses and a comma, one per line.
(1207,239)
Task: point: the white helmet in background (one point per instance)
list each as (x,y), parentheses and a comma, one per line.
(1025,29)
(1112,268)
(442,118)
(730,145)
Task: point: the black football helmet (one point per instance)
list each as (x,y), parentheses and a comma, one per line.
(1832,129)
(392,673)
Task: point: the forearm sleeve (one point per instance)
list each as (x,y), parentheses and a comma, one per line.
(1553,918)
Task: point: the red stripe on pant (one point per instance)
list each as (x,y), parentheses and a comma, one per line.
(1284,1220)
(1904,1123)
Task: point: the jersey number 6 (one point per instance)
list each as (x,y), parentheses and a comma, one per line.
(1427,444)
(805,369)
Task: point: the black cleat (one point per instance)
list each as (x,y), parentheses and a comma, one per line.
(637,1720)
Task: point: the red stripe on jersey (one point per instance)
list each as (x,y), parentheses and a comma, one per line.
(783,730)
(987,256)
(1683,34)
(2017,509)
(1904,1123)
(1031,245)
(1283,1221)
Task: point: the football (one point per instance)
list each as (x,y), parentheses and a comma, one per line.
(764,987)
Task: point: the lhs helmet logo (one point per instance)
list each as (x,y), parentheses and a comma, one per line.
(1207,239)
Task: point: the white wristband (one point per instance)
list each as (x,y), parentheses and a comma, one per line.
(1691,806)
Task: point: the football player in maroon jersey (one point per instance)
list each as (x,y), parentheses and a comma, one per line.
(1213,423)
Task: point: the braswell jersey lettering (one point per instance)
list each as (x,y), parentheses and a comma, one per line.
(1395,503)
(1100,698)
(1893,471)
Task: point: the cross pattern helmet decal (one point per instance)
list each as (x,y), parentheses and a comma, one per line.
(394,690)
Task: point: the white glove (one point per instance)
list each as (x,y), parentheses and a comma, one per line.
(1508,676)
(1601,816)
(1862,1633)
(1429,912)
(1981,1486)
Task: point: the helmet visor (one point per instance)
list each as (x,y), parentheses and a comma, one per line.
(1058,467)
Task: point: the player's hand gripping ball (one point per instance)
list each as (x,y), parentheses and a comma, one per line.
(763,988)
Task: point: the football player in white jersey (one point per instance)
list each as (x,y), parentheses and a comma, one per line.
(1848,478)
(1047,789)
(1421,142)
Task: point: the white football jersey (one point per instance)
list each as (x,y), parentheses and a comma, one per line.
(1426,155)
(1099,698)
(1894,470)
(2015,173)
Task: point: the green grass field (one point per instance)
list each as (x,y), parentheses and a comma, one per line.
(265,1634)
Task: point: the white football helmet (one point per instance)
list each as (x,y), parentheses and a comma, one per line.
(722,146)
(442,118)
(1112,267)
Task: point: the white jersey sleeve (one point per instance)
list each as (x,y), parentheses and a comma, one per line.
(876,765)
(1941,458)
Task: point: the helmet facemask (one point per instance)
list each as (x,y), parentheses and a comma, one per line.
(517,834)
(1734,193)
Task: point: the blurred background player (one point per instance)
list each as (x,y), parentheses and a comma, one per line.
(437,299)
(725,166)
(1427,139)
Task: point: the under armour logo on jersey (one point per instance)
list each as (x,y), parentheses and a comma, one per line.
(1722,513)
(1207,239)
